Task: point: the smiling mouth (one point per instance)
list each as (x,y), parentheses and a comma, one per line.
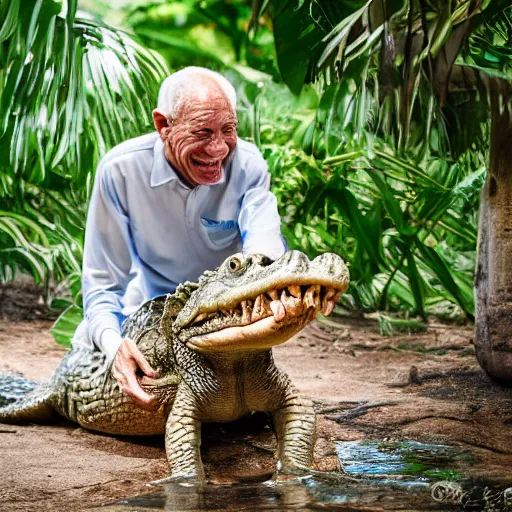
(207,166)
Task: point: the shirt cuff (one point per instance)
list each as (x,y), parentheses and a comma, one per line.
(273,248)
(109,343)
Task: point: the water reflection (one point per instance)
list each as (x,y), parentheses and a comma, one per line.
(243,497)
(396,476)
(309,494)
(405,461)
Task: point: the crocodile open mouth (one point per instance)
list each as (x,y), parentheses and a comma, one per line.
(263,321)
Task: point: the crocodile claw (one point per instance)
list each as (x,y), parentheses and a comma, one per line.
(189,478)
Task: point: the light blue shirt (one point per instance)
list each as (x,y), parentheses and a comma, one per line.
(147,231)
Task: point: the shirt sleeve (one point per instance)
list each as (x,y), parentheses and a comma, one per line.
(108,251)
(259,221)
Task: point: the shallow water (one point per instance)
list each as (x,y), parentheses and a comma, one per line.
(305,495)
(407,476)
(408,461)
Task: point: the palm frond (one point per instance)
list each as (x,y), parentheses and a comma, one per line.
(71,87)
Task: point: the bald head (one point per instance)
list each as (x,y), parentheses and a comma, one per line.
(193,84)
(196,119)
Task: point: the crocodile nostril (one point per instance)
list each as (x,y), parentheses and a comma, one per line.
(266,261)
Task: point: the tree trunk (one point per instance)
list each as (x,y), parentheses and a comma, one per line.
(493,277)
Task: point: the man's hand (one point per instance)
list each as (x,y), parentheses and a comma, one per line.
(127,361)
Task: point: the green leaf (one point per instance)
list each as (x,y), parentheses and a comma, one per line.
(181,45)
(340,32)
(438,265)
(10,20)
(65,326)
(391,204)
(441,36)
(27,259)
(297,38)
(365,229)
(415,280)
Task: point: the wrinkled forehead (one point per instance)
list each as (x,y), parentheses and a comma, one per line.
(205,98)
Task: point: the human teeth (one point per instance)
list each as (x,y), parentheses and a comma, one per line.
(312,297)
(205,162)
(278,309)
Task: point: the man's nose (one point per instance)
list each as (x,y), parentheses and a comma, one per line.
(217,147)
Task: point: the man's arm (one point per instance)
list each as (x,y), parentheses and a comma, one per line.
(259,221)
(108,254)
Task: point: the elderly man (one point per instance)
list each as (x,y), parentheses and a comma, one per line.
(166,207)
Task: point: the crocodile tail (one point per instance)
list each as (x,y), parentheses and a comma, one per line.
(23,400)
(14,387)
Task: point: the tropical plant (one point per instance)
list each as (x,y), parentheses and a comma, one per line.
(378,160)
(441,72)
(408,217)
(70,88)
(385,214)
(210,33)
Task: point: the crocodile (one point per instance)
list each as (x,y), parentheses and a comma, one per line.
(211,344)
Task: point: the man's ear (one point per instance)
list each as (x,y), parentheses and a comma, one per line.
(160,122)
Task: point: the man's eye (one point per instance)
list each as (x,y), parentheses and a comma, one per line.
(202,133)
(229,130)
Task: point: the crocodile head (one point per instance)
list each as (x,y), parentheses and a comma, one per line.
(251,302)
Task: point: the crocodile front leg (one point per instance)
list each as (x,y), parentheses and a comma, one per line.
(183,438)
(295,428)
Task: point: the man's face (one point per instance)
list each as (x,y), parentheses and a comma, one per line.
(201,139)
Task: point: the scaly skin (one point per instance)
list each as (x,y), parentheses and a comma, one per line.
(211,344)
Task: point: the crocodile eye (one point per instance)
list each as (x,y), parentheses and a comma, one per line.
(235,264)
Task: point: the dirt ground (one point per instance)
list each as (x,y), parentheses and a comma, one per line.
(426,387)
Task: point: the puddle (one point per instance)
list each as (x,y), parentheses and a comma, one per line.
(407,476)
(306,495)
(404,462)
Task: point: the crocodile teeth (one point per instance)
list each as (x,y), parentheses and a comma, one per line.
(294,290)
(327,308)
(292,305)
(273,294)
(328,302)
(312,297)
(258,309)
(261,308)
(200,317)
(278,309)
(246,311)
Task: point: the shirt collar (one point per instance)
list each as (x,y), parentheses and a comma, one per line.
(162,171)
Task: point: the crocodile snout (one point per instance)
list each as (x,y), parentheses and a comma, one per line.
(333,265)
